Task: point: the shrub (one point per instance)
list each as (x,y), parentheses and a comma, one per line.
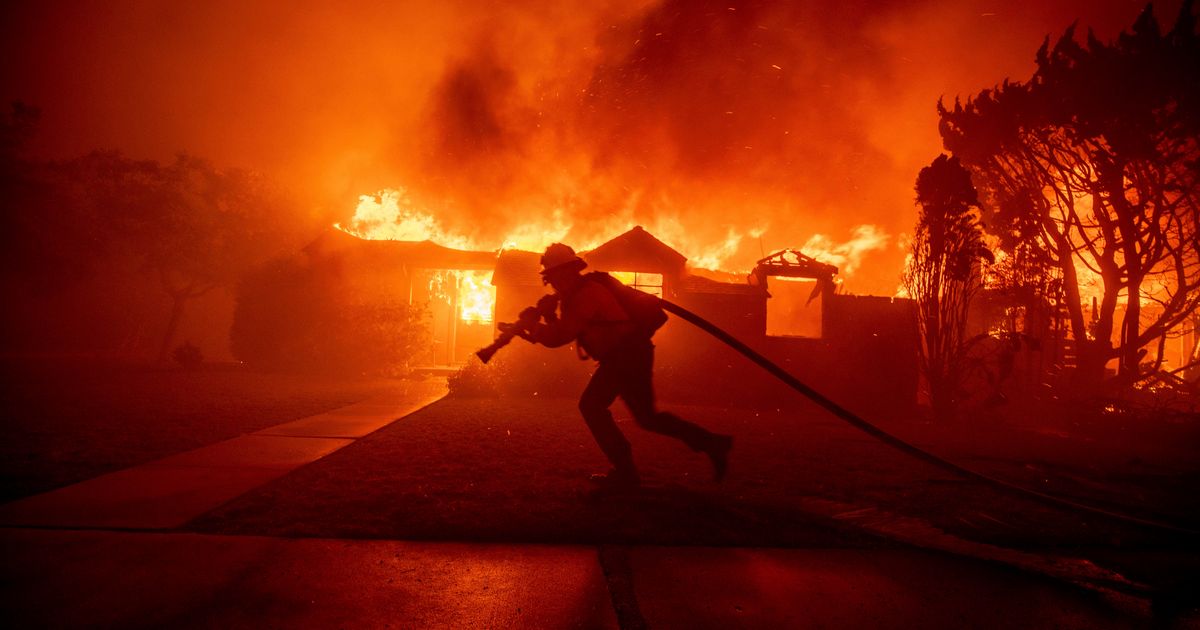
(523,370)
(188,356)
(291,316)
(477,380)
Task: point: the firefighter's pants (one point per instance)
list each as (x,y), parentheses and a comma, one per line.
(628,372)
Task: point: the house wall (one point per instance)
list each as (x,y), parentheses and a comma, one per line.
(743,316)
(512,299)
(865,361)
(693,367)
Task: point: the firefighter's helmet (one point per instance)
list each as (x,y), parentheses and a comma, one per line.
(559,256)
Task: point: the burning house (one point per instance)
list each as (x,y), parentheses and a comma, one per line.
(855,348)
(452,284)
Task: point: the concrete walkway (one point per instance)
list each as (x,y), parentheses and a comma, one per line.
(169,492)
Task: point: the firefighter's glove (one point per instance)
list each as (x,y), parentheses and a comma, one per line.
(547,307)
(529,316)
(518,328)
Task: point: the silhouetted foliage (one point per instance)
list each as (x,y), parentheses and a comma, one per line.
(1094,165)
(17,126)
(193,226)
(65,277)
(478,380)
(522,370)
(942,275)
(188,356)
(89,241)
(50,232)
(294,317)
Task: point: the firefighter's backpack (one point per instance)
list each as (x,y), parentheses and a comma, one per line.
(643,309)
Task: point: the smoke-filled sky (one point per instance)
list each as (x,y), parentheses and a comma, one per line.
(746,125)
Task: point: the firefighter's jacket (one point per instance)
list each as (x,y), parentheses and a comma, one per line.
(589,315)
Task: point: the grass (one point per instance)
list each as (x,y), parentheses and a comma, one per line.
(487,469)
(69,421)
(481,469)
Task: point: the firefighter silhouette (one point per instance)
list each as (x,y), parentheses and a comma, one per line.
(613,324)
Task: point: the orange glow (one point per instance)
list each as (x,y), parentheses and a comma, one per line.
(784,121)
(651,283)
(391,214)
(846,256)
(476,296)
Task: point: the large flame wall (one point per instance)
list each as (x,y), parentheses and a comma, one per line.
(727,128)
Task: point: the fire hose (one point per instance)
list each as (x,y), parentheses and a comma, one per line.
(528,317)
(887,438)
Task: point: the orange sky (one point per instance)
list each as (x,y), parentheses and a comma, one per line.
(722,119)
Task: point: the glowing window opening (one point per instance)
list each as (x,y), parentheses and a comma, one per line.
(651,283)
(476,296)
(789,311)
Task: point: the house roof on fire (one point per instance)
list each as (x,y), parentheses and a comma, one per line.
(636,250)
(700,284)
(334,243)
(793,263)
(518,268)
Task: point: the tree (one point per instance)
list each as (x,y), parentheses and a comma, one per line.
(17,126)
(1095,162)
(87,242)
(194,227)
(942,274)
(53,232)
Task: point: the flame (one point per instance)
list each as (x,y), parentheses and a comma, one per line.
(715,256)
(533,237)
(391,214)
(848,255)
(476,296)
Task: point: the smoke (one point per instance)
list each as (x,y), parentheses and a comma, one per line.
(724,117)
(728,128)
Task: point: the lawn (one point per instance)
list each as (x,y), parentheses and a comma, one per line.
(68,421)
(490,469)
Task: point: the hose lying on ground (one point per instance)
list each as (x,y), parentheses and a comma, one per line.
(895,442)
